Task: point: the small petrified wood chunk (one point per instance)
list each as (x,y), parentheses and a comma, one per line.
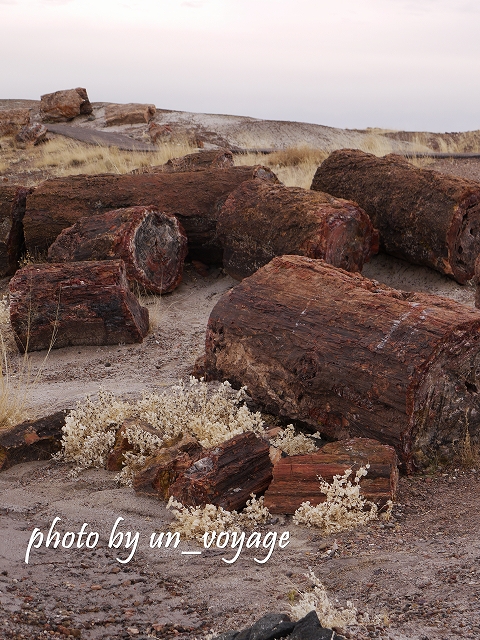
(423,216)
(194,197)
(351,357)
(131,113)
(75,303)
(161,470)
(115,459)
(152,244)
(31,440)
(260,221)
(295,478)
(214,159)
(226,475)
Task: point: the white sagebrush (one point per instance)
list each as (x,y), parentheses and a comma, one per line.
(194,522)
(344,507)
(210,416)
(293,444)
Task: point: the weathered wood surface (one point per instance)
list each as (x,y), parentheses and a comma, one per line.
(214,159)
(132,113)
(194,197)
(152,244)
(31,440)
(161,471)
(423,216)
(295,478)
(351,357)
(226,475)
(12,209)
(260,220)
(77,303)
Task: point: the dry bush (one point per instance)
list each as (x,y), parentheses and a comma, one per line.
(344,507)
(294,444)
(64,157)
(298,174)
(329,613)
(210,415)
(195,522)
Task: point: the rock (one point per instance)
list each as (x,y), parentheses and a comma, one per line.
(32,134)
(423,216)
(132,113)
(226,475)
(65,105)
(12,210)
(159,133)
(351,357)
(152,244)
(12,120)
(161,470)
(295,478)
(31,440)
(270,627)
(309,628)
(77,303)
(194,197)
(122,445)
(214,159)
(260,220)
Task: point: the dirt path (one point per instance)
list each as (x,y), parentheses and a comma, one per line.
(104,138)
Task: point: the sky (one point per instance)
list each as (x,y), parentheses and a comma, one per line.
(399,64)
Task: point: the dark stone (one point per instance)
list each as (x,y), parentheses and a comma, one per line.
(271,627)
(228,635)
(309,628)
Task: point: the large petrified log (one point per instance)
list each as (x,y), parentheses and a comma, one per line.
(351,357)
(295,478)
(152,244)
(226,475)
(12,209)
(132,113)
(60,305)
(31,440)
(195,198)
(64,105)
(423,216)
(213,159)
(260,221)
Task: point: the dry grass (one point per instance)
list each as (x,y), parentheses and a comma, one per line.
(64,157)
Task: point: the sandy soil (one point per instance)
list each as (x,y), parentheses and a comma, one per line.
(420,571)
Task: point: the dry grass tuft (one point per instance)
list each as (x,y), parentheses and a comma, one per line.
(64,157)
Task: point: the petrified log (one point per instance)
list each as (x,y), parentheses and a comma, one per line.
(61,106)
(12,120)
(214,159)
(152,244)
(195,198)
(260,221)
(423,216)
(31,440)
(76,303)
(351,357)
(115,460)
(132,113)
(33,134)
(295,478)
(477,282)
(161,471)
(12,243)
(226,475)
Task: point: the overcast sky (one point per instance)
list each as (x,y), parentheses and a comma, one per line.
(403,64)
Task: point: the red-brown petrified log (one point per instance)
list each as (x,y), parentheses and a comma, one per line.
(295,478)
(75,303)
(31,440)
(351,357)
(194,197)
(12,209)
(161,470)
(152,244)
(226,475)
(213,159)
(260,221)
(477,282)
(423,216)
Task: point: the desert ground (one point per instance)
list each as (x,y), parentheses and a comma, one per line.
(418,573)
